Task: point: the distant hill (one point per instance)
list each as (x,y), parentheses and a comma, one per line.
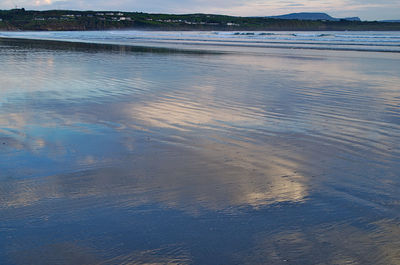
(313,16)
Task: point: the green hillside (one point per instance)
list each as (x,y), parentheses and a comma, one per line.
(21,19)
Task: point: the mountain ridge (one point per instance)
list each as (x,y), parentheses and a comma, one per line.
(313,16)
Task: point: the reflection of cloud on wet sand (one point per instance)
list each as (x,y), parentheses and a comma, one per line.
(213,171)
(183,113)
(15,137)
(215,176)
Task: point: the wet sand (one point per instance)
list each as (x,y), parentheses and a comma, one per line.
(116,155)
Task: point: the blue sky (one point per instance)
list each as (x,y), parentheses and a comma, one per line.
(366,9)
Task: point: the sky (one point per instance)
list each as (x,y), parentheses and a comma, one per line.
(365,9)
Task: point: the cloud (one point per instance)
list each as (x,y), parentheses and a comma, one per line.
(43,2)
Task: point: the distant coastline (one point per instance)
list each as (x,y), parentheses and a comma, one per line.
(68,20)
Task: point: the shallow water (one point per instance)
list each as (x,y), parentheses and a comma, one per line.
(124,155)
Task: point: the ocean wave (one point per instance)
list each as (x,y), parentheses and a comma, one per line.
(311,35)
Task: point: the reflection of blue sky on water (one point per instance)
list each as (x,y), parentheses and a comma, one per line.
(184,157)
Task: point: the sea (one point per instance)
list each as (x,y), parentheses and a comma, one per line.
(148,147)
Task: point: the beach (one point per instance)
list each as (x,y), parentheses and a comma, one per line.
(209,148)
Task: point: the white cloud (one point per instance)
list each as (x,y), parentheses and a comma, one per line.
(43,2)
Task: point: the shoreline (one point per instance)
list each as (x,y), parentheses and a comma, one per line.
(177,46)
